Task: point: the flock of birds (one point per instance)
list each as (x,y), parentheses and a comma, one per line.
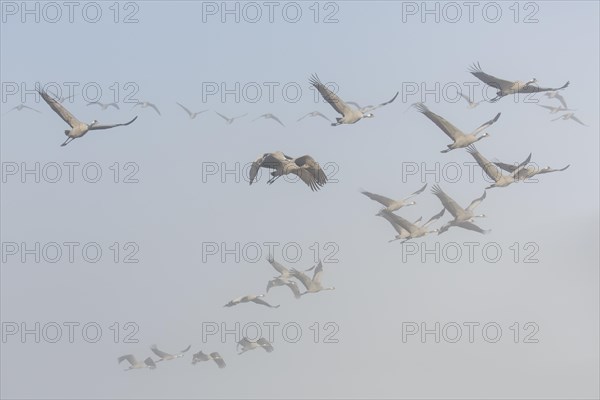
(285,278)
(309,171)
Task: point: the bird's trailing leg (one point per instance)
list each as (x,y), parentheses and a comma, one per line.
(273,179)
(69,140)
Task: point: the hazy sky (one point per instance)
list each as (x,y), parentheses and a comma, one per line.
(173,195)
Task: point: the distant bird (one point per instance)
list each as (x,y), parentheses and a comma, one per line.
(191,114)
(312,285)
(269,116)
(135,364)
(528,171)
(414,230)
(22,107)
(248,345)
(472,104)
(350,115)
(391,204)
(313,114)
(570,115)
(402,233)
(78,128)
(104,106)
(216,357)
(146,104)
(554,110)
(228,120)
(493,172)
(557,96)
(509,87)
(460,139)
(305,167)
(461,215)
(166,356)
(250,298)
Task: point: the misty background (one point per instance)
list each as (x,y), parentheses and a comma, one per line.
(173,54)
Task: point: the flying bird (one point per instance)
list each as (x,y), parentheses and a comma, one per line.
(350,115)
(557,96)
(554,110)
(104,106)
(313,114)
(269,116)
(250,298)
(472,104)
(191,114)
(463,217)
(78,128)
(493,172)
(570,115)
(509,87)
(460,139)
(216,357)
(312,285)
(146,104)
(402,233)
(248,345)
(414,230)
(166,356)
(391,204)
(305,167)
(22,107)
(135,364)
(228,120)
(528,171)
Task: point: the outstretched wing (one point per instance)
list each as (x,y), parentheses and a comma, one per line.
(60,110)
(531,88)
(185,109)
(335,102)
(489,79)
(278,267)
(416,193)
(447,201)
(435,217)
(386,201)
(371,108)
(486,124)
(489,168)
(258,300)
(97,127)
(186,349)
(574,118)
(452,131)
(476,202)
(390,216)
(159,353)
(545,171)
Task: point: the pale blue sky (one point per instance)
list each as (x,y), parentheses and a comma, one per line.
(370,53)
